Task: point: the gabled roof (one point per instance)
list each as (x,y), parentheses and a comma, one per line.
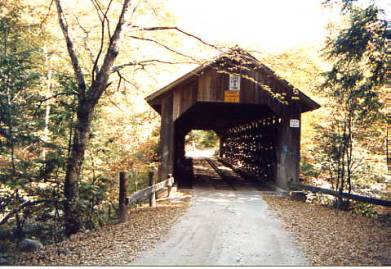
(240,56)
(196,71)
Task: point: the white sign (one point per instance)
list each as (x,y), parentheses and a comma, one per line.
(234,82)
(294,123)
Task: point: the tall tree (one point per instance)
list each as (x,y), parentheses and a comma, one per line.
(353,84)
(92,82)
(88,97)
(19,62)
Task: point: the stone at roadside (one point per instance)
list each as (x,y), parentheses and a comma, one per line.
(4,261)
(30,245)
(298,196)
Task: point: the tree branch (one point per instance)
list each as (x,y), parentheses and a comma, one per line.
(47,15)
(85,40)
(165,28)
(23,205)
(53,96)
(164,46)
(103,20)
(121,77)
(144,63)
(71,51)
(104,15)
(99,85)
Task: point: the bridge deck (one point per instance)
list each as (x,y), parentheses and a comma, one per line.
(212,173)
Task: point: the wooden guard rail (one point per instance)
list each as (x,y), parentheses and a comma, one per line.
(360,198)
(300,186)
(148,193)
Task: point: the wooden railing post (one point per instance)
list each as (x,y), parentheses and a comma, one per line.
(152,181)
(123,209)
(169,186)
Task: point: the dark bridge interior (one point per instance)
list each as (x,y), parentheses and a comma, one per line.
(247,136)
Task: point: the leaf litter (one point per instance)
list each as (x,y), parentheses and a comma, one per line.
(113,244)
(334,238)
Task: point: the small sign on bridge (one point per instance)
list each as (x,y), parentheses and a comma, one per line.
(231,96)
(233,93)
(234,82)
(294,123)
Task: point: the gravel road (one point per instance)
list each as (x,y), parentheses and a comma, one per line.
(225,227)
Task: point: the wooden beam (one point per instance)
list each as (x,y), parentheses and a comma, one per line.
(287,150)
(167,138)
(145,194)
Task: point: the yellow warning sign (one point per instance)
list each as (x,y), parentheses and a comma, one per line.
(232,96)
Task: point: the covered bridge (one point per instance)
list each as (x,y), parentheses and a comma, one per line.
(255,113)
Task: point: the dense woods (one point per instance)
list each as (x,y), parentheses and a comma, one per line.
(72,114)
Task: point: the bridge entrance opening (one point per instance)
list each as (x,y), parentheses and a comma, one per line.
(242,136)
(201,144)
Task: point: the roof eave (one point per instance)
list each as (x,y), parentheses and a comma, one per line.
(310,104)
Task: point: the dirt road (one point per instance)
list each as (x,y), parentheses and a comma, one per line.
(225,227)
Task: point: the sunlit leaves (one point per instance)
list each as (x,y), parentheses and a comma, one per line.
(357,53)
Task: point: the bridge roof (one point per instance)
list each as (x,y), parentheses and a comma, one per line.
(242,58)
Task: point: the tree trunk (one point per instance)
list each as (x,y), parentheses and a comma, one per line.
(10,116)
(47,102)
(87,101)
(72,214)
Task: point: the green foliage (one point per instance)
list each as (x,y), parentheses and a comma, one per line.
(203,139)
(308,170)
(19,75)
(358,54)
(92,195)
(365,209)
(20,59)
(137,180)
(25,174)
(38,97)
(353,86)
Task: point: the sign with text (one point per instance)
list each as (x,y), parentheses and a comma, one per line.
(231,96)
(294,123)
(234,82)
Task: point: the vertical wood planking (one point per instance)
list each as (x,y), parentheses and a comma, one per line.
(288,148)
(183,99)
(211,86)
(221,86)
(167,137)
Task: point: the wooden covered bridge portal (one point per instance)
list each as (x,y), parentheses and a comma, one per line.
(255,113)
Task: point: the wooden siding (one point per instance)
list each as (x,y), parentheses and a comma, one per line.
(213,84)
(184,98)
(167,138)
